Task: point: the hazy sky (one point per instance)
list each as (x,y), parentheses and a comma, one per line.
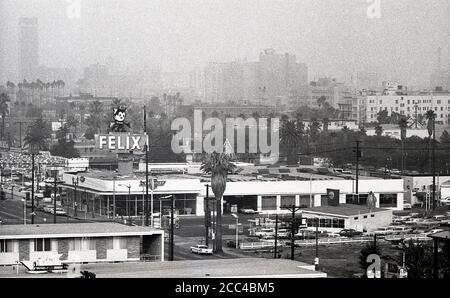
(334,37)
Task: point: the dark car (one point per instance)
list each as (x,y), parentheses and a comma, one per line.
(350,233)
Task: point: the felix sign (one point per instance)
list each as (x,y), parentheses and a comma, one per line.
(121,142)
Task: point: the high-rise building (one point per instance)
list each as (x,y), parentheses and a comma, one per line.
(28,49)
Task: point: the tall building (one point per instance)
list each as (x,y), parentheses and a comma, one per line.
(367,80)
(28,49)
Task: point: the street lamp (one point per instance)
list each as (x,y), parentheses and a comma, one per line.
(237,229)
(75,184)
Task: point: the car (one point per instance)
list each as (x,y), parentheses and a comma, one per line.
(384,231)
(350,233)
(201,249)
(407,206)
(265,233)
(396,172)
(59,211)
(396,230)
(348,172)
(439,217)
(247,211)
(434,231)
(445,201)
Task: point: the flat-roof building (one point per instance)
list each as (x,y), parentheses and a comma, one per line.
(80,243)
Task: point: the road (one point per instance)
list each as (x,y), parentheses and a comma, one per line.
(12,212)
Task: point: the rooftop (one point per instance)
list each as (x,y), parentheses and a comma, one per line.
(344,210)
(97,229)
(243,267)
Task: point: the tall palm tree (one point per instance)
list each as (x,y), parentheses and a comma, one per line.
(378,130)
(4,110)
(430,116)
(290,137)
(37,135)
(219,165)
(403,124)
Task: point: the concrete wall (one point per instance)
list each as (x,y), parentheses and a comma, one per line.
(370,222)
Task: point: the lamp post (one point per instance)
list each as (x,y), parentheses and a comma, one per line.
(75,184)
(237,229)
(12,192)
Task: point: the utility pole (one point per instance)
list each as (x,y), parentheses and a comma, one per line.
(434,161)
(171,230)
(293,209)
(207,223)
(20,132)
(146,170)
(358,155)
(316,261)
(54,197)
(32,187)
(276,236)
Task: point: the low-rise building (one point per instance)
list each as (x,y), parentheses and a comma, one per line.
(347,216)
(80,243)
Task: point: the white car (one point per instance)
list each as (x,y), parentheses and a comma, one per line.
(445,201)
(265,233)
(248,211)
(201,250)
(407,206)
(434,231)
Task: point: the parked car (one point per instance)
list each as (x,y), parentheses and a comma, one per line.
(434,231)
(384,231)
(445,201)
(247,211)
(350,233)
(264,232)
(407,206)
(59,211)
(400,229)
(201,249)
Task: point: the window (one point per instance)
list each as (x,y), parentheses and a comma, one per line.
(372,215)
(305,201)
(116,243)
(82,244)
(365,216)
(42,244)
(355,199)
(269,203)
(355,218)
(287,200)
(388,200)
(6,246)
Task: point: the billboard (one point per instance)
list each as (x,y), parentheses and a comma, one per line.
(333,197)
(121,142)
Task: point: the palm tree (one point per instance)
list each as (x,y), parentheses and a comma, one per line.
(219,165)
(326,123)
(430,115)
(379,130)
(4,110)
(403,124)
(290,137)
(37,135)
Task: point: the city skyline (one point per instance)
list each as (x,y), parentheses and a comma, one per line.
(335,39)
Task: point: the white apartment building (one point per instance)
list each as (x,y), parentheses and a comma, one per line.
(409,105)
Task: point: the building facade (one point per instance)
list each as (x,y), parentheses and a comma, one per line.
(81,242)
(28,49)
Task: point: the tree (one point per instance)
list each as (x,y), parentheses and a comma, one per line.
(290,138)
(64,147)
(383,117)
(418,259)
(321,100)
(379,130)
(219,165)
(37,135)
(4,110)
(403,125)
(445,138)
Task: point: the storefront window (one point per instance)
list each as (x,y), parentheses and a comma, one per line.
(82,244)
(388,200)
(287,200)
(305,201)
(269,203)
(6,246)
(356,199)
